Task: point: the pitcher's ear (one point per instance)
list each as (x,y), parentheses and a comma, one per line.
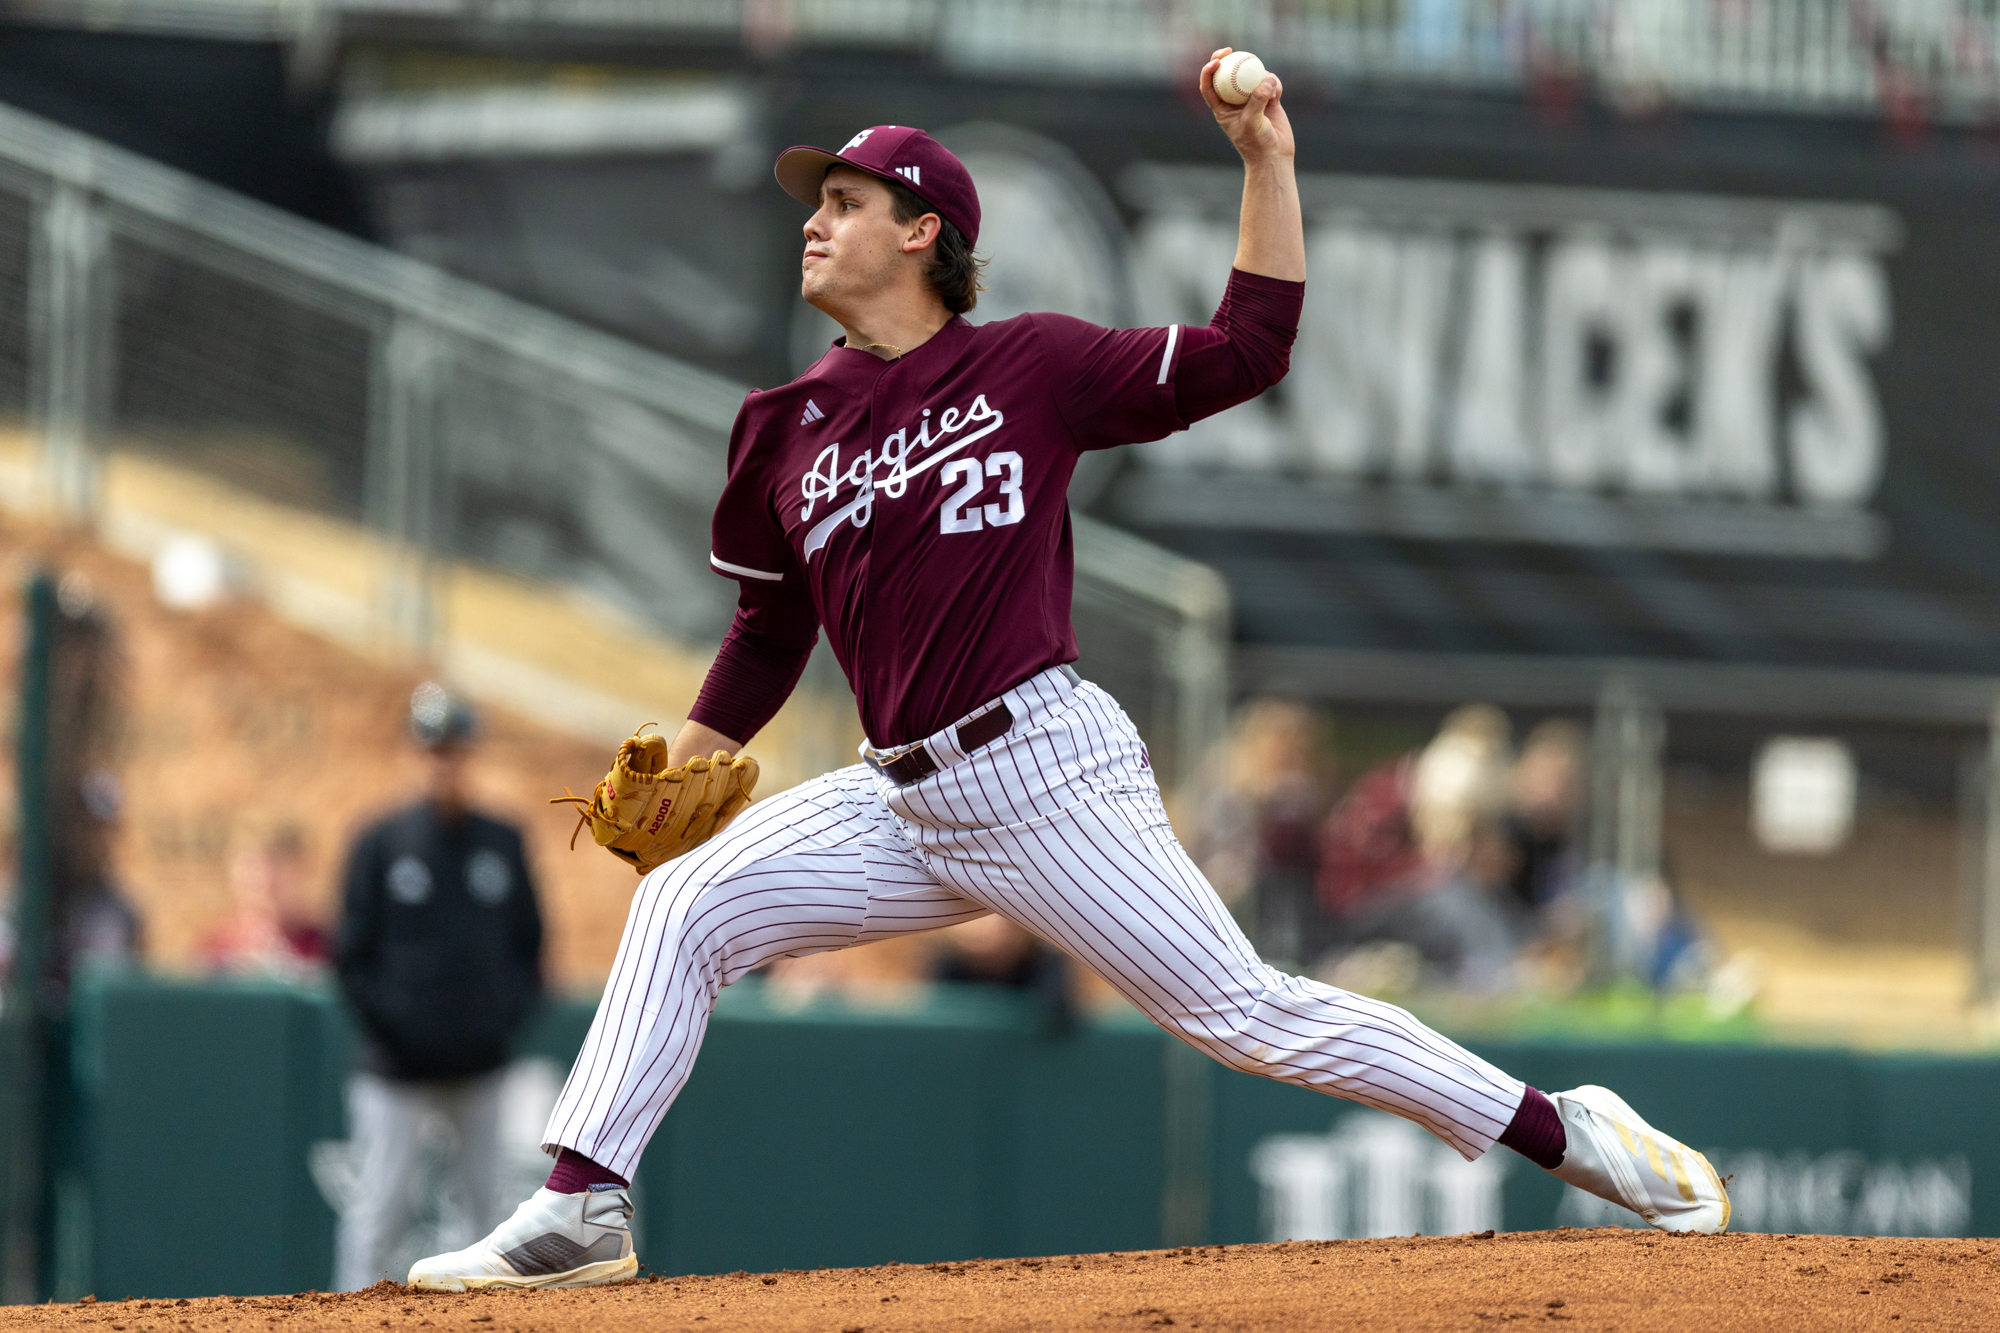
(923,232)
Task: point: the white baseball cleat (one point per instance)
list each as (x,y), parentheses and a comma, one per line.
(1615,1155)
(552,1240)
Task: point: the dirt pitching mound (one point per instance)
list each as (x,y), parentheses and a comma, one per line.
(1603,1279)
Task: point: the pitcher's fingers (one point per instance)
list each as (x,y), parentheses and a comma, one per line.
(1208,93)
(1261,97)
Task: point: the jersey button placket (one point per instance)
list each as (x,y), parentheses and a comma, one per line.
(893,581)
(880,623)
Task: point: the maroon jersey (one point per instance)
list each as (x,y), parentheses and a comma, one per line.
(916,508)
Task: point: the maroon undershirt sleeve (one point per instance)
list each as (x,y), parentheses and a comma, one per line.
(1244,350)
(760,660)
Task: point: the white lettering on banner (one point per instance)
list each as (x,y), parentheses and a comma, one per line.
(827,478)
(1836,1193)
(1837,435)
(1488,439)
(1373,1175)
(1533,341)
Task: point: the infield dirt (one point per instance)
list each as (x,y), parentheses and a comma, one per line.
(1603,1279)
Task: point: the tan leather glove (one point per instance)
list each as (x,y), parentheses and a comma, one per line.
(646,813)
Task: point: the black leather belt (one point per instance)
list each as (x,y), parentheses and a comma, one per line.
(915,764)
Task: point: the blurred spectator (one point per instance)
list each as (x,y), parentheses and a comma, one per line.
(270,931)
(1639,928)
(1459,787)
(1546,815)
(1278,799)
(1412,823)
(98,927)
(1368,851)
(1416,854)
(92,926)
(1459,867)
(994,951)
(1663,942)
(439,955)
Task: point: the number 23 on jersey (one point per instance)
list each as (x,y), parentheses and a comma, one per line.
(961,511)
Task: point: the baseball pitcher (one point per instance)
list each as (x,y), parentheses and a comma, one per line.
(906,497)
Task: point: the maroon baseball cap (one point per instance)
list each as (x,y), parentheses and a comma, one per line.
(897,154)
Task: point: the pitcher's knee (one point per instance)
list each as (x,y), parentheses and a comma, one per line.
(1226,1037)
(1247,1030)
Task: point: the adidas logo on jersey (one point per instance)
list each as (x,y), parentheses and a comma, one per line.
(812,414)
(914,174)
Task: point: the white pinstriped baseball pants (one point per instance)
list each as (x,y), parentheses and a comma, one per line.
(1057,825)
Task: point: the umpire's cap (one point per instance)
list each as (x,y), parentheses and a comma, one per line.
(439,718)
(897,154)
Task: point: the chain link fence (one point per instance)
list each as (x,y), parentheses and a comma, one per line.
(148,315)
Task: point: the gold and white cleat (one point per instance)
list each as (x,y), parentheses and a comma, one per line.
(1615,1155)
(552,1240)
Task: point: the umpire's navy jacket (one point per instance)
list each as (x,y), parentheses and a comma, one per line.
(440,943)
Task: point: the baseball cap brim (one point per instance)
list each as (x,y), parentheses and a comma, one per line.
(895,155)
(801,169)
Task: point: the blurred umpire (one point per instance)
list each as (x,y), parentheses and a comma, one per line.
(439,955)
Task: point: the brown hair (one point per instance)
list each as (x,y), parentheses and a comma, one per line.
(955,273)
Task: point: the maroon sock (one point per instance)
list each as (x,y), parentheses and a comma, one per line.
(575,1174)
(1535,1132)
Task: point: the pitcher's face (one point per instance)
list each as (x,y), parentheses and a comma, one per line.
(855,248)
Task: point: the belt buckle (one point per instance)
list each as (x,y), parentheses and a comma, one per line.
(884,758)
(913,756)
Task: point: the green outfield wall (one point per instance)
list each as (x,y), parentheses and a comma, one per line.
(962,1128)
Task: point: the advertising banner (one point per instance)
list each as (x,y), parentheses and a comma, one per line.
(960,1127)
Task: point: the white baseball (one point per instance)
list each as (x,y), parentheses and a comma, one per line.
(1239,76)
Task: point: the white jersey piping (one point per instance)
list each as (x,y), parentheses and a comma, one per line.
(743,571)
